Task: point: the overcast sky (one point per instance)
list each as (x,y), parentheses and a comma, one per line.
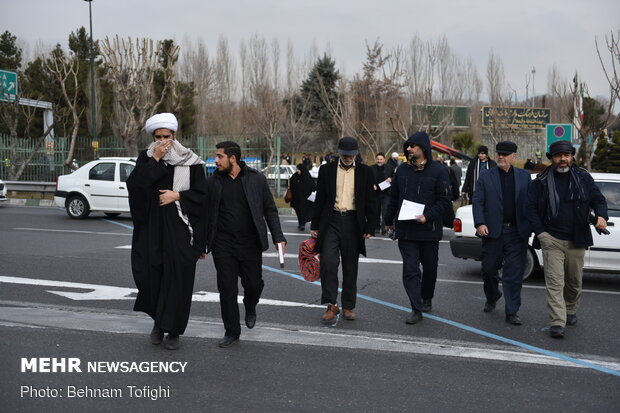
(524,33)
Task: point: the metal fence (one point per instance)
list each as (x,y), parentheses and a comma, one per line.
(48,162)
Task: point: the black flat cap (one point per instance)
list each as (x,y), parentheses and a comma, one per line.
(560,147)
(506,147)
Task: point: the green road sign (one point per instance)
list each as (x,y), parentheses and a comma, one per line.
(559,132)
(8,86)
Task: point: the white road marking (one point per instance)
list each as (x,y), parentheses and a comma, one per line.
(362,259)
(108,292)
(87,319)
(72,231)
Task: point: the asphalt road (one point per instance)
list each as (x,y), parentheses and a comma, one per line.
(66,292)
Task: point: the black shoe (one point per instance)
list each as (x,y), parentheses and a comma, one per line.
(414,317)
(301,227)
(172,342)
(157,336)
(250,319)
(556,331)
(513,319)
(571,319)
(427,305)
(490,305)
(227,341)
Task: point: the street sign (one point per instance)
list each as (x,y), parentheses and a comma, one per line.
(8,86)
(559,132)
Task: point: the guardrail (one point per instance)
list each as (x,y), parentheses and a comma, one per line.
(19,186)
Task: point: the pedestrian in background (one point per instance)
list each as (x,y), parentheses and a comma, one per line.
(423,181)
(240,207)
(383,173)
(481,163)
(560,200)
(394,161)
(498,205)
(302,185)
(167,190)
(344,217)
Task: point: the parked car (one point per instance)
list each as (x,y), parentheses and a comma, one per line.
(285,172)
(604,255)
(3,197)
(97,186)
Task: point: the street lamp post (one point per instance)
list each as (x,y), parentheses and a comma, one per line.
(93,96)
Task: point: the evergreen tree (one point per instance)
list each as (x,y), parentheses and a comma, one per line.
(600,161)
(614,154)
(319,87)
(10,53)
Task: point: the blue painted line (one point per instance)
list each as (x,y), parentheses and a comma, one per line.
(117,223)
(470,329)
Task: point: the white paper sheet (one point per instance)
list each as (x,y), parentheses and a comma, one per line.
(410,210)
(312,196)
(383,185)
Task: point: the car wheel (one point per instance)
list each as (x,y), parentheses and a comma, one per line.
(77,207)
(112,214)
(530,265)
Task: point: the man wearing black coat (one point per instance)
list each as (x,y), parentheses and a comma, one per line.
(383,173)
(344,217)
(559,203)
(498,207)
(475,167)
(240,207)
(423,181)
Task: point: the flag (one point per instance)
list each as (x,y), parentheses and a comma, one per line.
(578,116)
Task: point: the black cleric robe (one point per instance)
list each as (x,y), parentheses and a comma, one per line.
(162,260)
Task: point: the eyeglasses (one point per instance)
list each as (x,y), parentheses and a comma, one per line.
(162,136)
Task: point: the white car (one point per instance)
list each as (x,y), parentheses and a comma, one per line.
(97,186)
(285,172)
(3,197)
(604,255)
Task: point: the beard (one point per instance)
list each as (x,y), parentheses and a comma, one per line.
(225,171)
(562,169)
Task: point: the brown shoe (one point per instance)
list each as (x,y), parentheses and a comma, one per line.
(348,314)
(331,313)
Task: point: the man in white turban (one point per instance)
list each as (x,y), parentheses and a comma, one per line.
(167,190)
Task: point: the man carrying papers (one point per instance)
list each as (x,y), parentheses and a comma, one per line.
(420,192)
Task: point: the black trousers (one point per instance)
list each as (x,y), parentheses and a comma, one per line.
(229,268)
(419,285)
(382,201)
(511,249)
(341,240)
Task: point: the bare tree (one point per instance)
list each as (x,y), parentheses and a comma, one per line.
(612,68)
(65,70)
(132,66)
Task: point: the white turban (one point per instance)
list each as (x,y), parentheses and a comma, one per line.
(161,121)
(394,154)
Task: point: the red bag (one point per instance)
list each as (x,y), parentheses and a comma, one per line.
(309,261)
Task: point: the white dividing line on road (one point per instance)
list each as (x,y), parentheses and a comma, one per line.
(87,319)
(71,231)
(108,292)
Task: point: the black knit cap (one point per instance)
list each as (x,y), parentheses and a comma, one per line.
(483,149)
(347,146)
(560,147)
(506,147)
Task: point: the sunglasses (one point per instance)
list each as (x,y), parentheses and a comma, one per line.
(162,136)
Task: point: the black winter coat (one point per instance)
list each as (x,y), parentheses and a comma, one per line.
(429,186)
(260,201)
(365,202)
(538,211)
